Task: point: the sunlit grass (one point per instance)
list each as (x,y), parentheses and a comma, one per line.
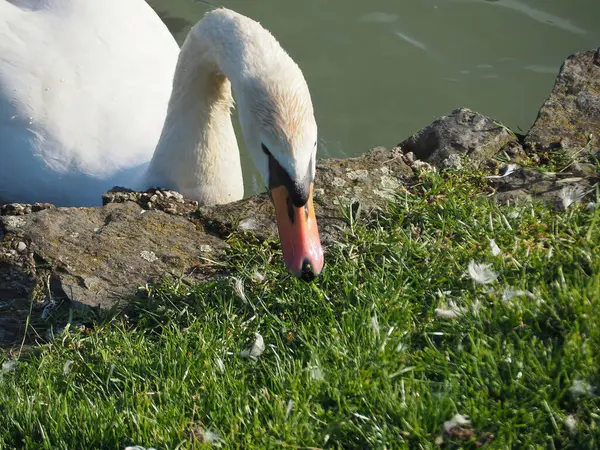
(393,340)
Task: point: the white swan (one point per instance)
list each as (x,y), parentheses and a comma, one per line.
(84,89)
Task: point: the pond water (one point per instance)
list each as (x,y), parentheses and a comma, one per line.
(379,70)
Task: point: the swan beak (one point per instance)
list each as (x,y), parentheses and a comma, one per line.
(299,235)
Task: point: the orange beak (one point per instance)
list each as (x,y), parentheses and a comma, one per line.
(299,235)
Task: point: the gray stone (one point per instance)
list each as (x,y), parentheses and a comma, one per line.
(463,132)
(452,162)
(409,158)
(531,183)
(569,120)
(422,165)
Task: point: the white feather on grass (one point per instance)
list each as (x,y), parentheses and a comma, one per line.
(481,273)
(505,171)
(581,387)
(494,248)
(257,349)
(571,195)
(451,311)
(457,421)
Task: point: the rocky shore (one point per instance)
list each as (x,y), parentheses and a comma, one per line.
(97,256)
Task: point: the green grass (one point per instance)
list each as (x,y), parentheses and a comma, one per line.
(560,160)
(360,358)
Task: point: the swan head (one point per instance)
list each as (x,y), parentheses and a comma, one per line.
(280,130)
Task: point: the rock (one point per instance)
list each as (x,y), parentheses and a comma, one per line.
(514,150)
(409,158)
(570,119)
(97,256)
(17,209)
(463,132)
(452,162)
(10,329)
(168,201)
(583,170)
(529,183)
(422,165)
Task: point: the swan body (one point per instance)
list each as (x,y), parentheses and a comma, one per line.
(90,100)
(84,87)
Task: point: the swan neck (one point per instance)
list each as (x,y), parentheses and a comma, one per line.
(197,153)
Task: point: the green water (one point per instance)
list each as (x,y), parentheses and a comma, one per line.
(379,70)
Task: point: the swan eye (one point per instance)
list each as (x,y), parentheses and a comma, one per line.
(265,149)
